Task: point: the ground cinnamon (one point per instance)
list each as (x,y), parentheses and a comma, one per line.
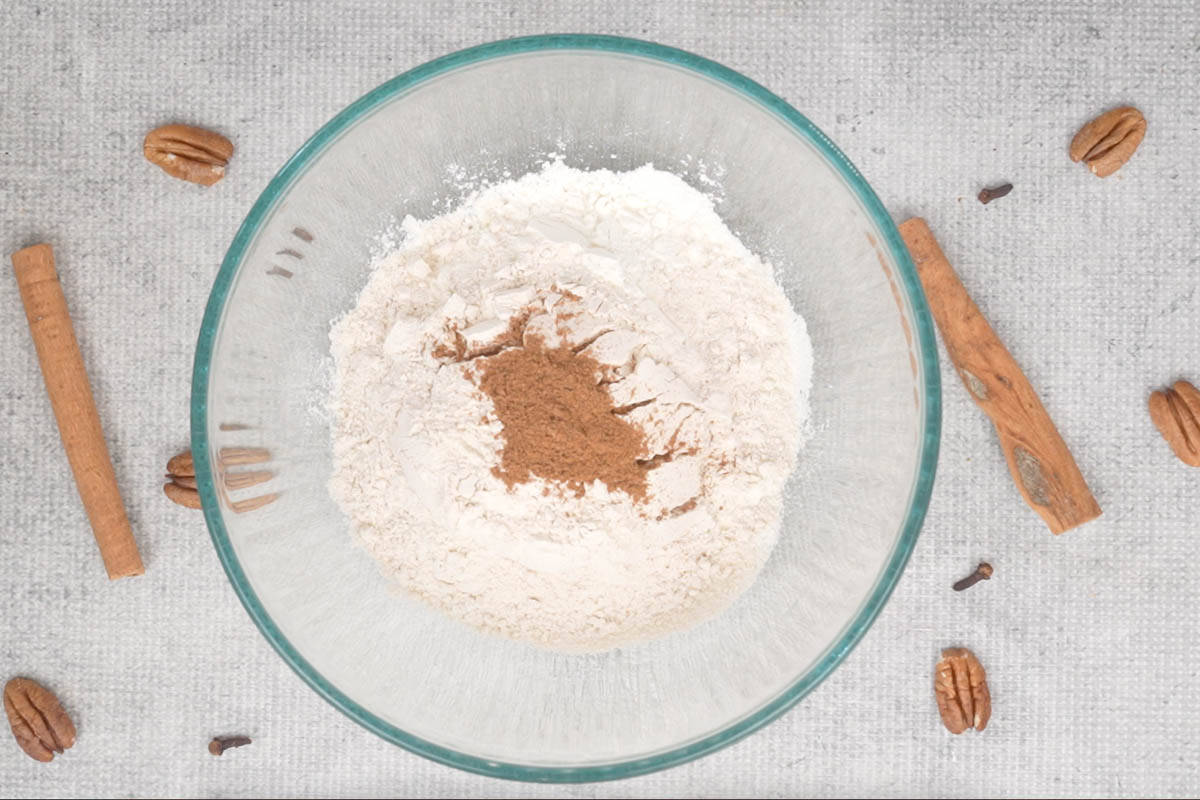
(559,421)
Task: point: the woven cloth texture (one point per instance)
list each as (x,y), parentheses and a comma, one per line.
(1091,639)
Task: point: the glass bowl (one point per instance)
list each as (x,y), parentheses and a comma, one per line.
(261,439)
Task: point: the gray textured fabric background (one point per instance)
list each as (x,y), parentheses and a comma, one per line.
(1090,639)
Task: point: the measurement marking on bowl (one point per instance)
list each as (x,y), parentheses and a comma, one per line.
(302,234)
(253,503)
(236,456)
(287,273)
(287,251)
(244,480)
(234,426)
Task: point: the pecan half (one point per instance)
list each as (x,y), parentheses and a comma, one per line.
(1108,141)
(190,153)
(181,477)
(182,465)
(38,721)
(1176,414)
(183,495)
(960,687)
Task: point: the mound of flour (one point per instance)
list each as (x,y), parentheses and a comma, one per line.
(691,337)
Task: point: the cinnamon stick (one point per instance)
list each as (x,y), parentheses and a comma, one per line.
(74,408)
(1038,458)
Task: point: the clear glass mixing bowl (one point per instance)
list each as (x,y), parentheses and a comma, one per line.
(481,703)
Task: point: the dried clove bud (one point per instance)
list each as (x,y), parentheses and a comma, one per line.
(222,743)
(982,573)
(987,195)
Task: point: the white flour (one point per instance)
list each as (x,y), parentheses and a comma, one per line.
(696,339)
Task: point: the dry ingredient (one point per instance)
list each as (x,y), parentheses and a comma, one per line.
(1176,413)
(220,744)
(982,573)
(558,423)
(181,495)
(181,481)
(182,464)
(39,723)
(961,690)
(188,153)
(565,411)
(1108,141)
(1040,462)
(987,195)
(74,408)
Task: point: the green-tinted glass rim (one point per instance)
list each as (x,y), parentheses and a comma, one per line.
(926,352)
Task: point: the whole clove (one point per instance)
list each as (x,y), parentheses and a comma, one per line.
(982,573)
(222,743)
(987,195)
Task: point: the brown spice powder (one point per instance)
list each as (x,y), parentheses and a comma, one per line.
(459,352)
(559,421)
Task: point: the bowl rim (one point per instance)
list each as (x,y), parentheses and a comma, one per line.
(926,352)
